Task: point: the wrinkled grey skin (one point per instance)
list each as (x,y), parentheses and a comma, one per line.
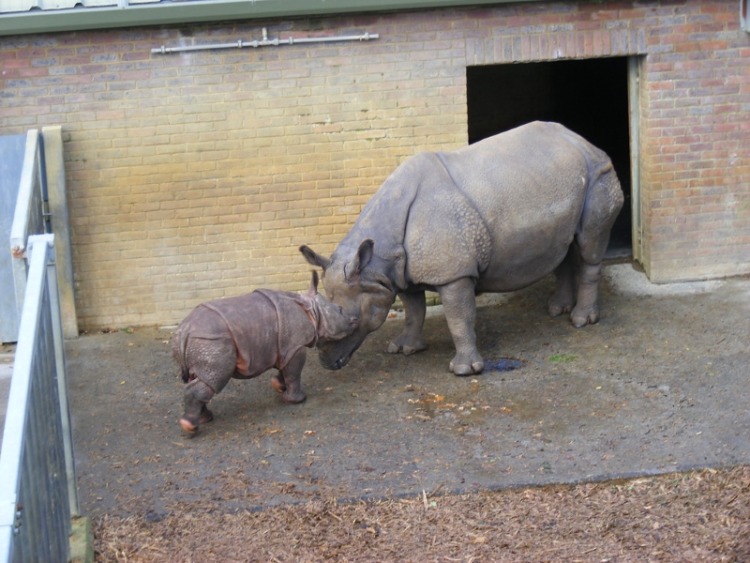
(244,336)
(495,216)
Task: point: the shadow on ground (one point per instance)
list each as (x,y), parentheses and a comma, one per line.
(659,385)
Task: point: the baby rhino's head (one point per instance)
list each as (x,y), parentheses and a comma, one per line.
(332,324)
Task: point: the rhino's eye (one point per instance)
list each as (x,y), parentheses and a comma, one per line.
(384,284)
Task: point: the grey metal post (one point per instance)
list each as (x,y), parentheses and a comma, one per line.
(62,384)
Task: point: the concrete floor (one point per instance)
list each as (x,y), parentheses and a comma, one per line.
(658,385)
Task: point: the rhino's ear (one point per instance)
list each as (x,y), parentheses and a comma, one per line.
(361,259)
(313,258)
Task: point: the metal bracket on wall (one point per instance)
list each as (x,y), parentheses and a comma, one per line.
(264,42)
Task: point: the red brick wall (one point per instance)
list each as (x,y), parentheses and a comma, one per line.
(194,176)
(696,143)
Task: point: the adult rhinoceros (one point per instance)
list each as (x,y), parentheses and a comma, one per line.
(495,216)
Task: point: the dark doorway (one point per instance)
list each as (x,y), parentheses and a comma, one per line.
(588,96)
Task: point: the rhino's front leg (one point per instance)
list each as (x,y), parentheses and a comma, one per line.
(459,304)
(411,339)
(288,381)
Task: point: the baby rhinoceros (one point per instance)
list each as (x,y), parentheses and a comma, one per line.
(244,336)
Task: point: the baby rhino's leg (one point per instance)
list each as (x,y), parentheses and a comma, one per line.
(196,397)
(288,381)
(277,382)
(212,364)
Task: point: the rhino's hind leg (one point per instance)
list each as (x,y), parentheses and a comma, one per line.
(586,310)
(196,397)
(603,203)
(459,304)
(563,299)
(411,339)
(212,364)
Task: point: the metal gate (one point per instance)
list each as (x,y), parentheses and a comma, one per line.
(38,494)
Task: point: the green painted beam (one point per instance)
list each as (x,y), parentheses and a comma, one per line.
(167,13)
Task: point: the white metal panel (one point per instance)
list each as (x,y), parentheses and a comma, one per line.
(18,5)
(9,6)
(68,4)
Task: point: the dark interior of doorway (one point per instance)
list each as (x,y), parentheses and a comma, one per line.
(589,96)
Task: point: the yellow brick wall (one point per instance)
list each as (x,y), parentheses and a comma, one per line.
(195,176)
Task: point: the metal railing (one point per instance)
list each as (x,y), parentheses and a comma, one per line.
(38,494)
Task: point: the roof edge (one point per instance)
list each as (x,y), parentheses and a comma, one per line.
(167,13)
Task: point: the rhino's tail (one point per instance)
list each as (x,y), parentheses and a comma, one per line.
(179,346)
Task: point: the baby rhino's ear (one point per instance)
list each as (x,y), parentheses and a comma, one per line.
(312,291)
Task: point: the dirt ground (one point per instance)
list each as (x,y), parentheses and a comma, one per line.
(699,516)
(583,453)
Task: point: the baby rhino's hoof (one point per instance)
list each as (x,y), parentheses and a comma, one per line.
(191,428)
(188,427)
(277,384)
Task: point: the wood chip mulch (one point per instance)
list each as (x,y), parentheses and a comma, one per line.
(695,516)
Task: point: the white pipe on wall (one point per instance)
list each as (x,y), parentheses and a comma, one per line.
(265,42)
